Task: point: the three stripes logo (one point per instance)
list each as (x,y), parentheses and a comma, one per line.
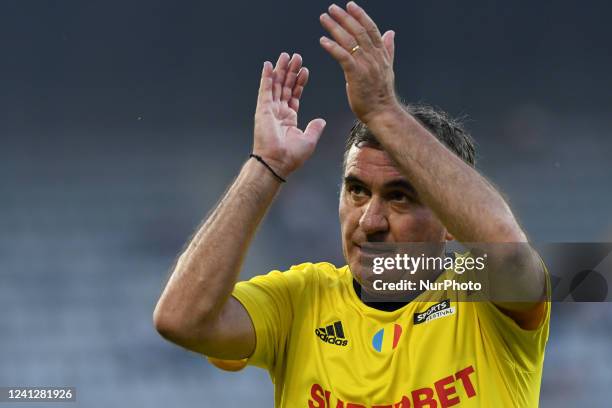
(332,334)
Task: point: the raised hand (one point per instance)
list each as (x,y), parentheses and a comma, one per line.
(277,138)
(365,56)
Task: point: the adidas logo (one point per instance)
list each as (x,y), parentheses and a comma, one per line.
(332,334)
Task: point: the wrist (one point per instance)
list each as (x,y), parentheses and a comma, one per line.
(271,167)
(255,173)
(385,118)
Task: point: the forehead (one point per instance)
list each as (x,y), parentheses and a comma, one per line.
(371,165)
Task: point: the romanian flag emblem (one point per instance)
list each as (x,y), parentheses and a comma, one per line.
(387,338)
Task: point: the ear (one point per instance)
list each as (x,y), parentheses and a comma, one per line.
(389,42)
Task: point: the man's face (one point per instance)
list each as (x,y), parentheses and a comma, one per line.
(378,204)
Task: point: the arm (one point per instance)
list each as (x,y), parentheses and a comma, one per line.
(472,210)
(469,206)
(195,309)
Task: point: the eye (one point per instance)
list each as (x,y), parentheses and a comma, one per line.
(399,196)
(357,191)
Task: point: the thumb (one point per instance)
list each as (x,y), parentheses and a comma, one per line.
(389,42)
(314,129)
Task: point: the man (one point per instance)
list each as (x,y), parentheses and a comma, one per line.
(309,327)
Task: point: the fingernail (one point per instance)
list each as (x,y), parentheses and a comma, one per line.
(334,7)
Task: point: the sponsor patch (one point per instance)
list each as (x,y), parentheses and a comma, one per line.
(436,311)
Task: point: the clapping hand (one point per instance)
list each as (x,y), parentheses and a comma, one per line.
(277,138)
(366,58)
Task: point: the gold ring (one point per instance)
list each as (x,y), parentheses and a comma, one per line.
(354,49)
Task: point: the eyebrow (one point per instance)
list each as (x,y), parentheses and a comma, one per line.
(397,183)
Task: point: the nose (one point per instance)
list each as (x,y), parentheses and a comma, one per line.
(374,220)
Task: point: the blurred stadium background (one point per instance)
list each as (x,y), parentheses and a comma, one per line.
(122,123)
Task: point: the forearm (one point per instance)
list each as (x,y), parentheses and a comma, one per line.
(206,272)
(470,207)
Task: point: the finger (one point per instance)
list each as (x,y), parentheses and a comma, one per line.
(339,34)
(279,75)
(314,129)
(292,72)
(298,88)
(351,26)
(389,41)
(366,21)
(265,85)
(344,58)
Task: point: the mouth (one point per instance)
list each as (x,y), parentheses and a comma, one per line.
(372,249)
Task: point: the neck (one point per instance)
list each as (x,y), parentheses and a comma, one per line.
(385,306)
(385,303)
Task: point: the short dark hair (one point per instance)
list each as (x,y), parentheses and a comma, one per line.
(448,130)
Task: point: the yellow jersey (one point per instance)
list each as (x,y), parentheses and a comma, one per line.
(325,348)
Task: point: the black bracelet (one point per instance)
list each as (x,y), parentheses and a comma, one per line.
(259,159)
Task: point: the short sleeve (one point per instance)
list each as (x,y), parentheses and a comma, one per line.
(526,347)
(270,301)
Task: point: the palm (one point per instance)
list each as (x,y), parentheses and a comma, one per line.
(277,137)
(285,120)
